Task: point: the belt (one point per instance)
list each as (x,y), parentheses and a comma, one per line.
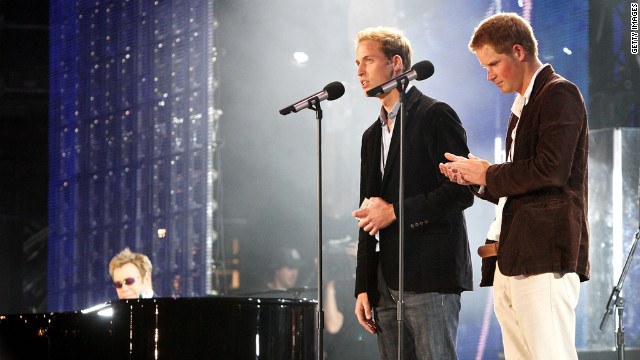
(488,250)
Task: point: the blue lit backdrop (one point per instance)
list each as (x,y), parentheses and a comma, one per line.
(132,134)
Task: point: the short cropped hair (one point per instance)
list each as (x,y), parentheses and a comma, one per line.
(392,42)
(126,256)
(503,31)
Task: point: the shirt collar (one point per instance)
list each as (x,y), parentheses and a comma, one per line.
(393,113)
(522,100)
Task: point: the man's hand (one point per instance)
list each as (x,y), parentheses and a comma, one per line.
(377,216)
(363,312)
(471,171)
(448,171)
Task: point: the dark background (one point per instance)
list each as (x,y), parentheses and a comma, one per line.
(24,62)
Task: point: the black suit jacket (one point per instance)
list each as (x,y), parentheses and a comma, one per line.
(437,257)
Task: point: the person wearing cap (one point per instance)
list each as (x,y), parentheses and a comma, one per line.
(285,270)
(131,274)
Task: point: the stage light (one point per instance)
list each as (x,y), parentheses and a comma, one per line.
(300,58)
(567,51)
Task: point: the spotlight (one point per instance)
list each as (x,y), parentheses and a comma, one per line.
(300,58)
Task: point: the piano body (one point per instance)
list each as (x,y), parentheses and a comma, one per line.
(167,328)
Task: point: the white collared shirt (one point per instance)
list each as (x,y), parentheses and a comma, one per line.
(518,104)
(386,133)
(386,140)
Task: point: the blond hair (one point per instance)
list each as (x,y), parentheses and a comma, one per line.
(126,256)
(392,42)
(503,31)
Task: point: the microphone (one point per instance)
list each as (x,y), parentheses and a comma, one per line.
(330,92)
(419,71)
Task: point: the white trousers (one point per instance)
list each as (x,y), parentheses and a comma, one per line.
(537,315)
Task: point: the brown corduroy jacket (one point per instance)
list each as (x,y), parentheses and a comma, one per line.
(544,221)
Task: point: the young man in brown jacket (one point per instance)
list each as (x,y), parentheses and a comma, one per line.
(541,191)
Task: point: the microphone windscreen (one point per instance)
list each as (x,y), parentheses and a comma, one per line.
(334,90)
(424,69)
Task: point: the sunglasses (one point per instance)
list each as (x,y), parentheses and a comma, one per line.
(128,281)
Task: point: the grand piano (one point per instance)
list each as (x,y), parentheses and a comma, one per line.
(167,328)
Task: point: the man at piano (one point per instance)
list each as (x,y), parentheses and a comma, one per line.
(131,274)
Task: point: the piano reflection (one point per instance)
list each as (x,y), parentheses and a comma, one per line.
(166,328)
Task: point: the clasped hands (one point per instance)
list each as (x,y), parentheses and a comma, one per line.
(377,215)
(465,171)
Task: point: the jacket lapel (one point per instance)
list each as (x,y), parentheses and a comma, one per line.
(375,154)
(541,80)
(394,154)
(513,120)
(393,158)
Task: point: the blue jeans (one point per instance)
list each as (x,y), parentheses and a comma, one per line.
(430,324)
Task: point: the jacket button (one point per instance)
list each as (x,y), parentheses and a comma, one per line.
(421,223)
(411,226)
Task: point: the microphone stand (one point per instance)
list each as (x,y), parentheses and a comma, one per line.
(403,82)
(618,302)
(314,104)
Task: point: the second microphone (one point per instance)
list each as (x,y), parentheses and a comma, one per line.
(332,91)
(419,71)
